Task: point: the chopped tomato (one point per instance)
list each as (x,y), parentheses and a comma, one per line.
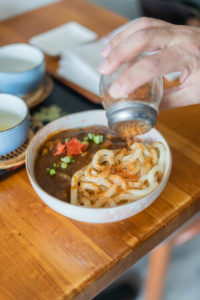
(74,147)
(60,149)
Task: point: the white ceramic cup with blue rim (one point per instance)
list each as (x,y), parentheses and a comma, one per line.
(14,123)
(22,68)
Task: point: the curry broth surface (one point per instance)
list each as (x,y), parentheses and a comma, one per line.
(58,185)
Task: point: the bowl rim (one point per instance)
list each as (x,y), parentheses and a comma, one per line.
(24,118)
(75,207)
(27,46)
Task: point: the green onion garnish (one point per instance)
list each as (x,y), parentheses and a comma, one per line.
(63,165)
(68,159)
(91,136)
(97,139)
(52,172)
(67,140)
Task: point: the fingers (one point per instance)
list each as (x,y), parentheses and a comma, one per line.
(149,39)
(179,98)
(185,94)
(145,70)
(179,52)
(141,23)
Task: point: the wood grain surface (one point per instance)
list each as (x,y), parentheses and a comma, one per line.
(44,255)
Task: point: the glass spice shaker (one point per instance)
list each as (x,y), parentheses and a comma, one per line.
(132,114)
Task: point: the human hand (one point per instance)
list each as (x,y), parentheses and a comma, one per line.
(179,51)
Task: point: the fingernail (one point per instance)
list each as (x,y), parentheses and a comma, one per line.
(103,67)
(116,91)
(106,51)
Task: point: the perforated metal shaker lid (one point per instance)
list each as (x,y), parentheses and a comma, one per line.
(135,116)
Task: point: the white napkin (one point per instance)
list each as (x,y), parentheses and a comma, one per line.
(80,65)
(65,37)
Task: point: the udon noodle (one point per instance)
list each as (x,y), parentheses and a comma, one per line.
(116,177)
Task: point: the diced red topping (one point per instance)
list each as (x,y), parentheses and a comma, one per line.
(60,149)
(74,147)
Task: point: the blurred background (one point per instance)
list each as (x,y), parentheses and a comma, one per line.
(176,11)
(129,8)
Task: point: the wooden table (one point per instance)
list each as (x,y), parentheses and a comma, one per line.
(44,255)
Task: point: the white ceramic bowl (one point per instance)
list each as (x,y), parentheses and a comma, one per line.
(93,215)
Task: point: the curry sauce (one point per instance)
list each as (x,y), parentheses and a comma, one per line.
(59,184)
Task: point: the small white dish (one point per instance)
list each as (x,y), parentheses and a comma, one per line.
(92,215)
(65,37)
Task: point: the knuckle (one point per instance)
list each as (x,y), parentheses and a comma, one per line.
(117,39)
(113,42)
(117,55)
(190,59)
(144,35)
(145,21)
(114,57)
(192,63)
(177,50)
